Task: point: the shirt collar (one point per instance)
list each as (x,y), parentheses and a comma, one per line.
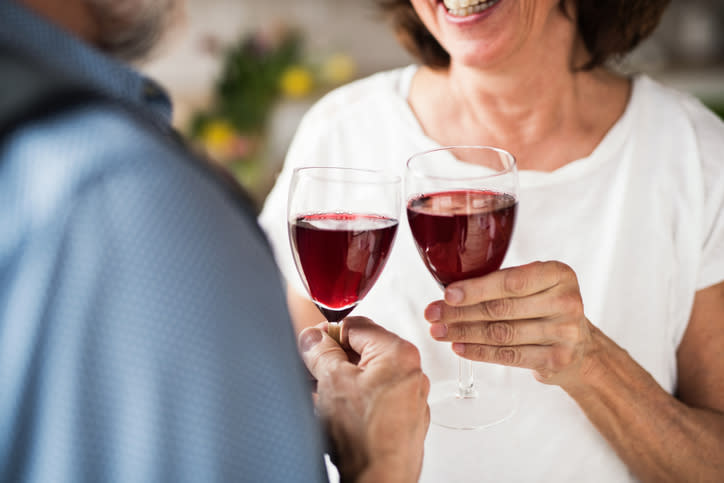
(22,29)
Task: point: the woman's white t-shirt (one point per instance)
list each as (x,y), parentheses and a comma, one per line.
(640,220)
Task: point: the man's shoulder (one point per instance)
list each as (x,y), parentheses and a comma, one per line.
(50,162)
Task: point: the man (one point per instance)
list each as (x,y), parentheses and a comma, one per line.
(143,331)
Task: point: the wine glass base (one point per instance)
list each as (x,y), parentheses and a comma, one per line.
(491,406)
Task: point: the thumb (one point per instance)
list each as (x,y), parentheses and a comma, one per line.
(321,353)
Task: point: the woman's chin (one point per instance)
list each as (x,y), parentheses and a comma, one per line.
(479,54)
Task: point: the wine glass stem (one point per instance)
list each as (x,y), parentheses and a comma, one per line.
(466,381)
(334,331)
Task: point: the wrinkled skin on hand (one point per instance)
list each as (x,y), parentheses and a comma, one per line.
(372,396)
(528,316)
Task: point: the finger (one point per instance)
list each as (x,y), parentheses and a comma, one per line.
(528,356)
(376,345)
(543,304)
(496,333)
(321,354)
(511,282)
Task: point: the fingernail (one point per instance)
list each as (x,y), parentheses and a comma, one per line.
(454,295)
(458,348)
(309,339)
(433,313)
(438,330)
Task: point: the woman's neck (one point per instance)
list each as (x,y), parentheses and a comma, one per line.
(538,105)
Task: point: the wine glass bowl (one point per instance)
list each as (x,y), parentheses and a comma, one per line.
(342,224)
(461,208)
(462,234)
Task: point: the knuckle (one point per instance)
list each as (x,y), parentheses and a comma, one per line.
(515,282)
(561,267)
(456,332)
(456,313)
(408,354)
(561,358)
(543,375)
(539,265)
(497,309)
(560,270)
(571,303)
(567,331)
(461,332)
(577,332)
(335,380)
(509,356)
(477,352)
(567,274)
(319,361)
(500,332)
(425,383)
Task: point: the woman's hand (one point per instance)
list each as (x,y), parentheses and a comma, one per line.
(529,316)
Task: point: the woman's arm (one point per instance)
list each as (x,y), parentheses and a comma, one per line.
(659,437)
(302,311)
(532,316)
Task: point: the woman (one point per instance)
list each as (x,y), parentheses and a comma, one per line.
(622,191)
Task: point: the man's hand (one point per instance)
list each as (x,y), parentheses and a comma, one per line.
(372,395)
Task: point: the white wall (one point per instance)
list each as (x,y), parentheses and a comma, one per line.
(350,26)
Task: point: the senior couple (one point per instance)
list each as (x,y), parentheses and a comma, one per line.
(144,334)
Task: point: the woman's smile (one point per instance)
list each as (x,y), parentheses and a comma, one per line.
(467,9)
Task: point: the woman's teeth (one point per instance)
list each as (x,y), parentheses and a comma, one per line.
(462,8)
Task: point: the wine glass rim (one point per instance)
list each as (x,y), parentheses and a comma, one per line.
(384,177)
(512,167)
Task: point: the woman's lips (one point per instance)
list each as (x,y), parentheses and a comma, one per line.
(464,11)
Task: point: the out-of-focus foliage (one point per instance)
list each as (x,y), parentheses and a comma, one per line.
(260,70)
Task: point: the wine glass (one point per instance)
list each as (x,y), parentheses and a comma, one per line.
(461,208)
(342,224)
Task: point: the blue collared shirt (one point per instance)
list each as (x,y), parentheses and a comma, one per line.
(143,330)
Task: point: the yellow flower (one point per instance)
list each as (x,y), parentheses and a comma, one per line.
(296,81)
(338,69)
(218,137)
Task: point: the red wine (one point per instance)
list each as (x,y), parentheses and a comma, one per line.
(340,256)
(462,234)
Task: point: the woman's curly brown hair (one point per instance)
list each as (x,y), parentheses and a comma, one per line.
(609,28)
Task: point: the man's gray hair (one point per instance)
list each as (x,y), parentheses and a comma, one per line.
(129,29)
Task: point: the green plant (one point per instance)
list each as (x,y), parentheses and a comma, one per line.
(718,108)
(248,85)
(257,72)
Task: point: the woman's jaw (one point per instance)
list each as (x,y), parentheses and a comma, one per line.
(474,32)
(504,36)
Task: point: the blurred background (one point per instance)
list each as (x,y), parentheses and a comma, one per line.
(243,72)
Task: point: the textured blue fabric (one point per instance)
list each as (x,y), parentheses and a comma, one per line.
(143,330)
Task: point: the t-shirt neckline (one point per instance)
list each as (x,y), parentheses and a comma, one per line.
(606,148)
